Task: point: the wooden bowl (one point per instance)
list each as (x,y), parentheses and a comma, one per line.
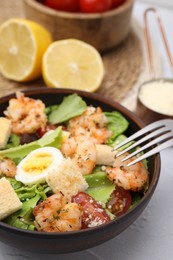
(102,30)
(54,243)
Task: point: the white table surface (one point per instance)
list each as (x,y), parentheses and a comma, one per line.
(151,236)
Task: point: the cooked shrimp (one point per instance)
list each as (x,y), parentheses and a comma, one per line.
(26,114)
(92,123)
(55,215)
(86,131)
(129,177)
(7,167)
(82,151)
(68,147)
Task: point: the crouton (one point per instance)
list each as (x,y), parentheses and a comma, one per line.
(67,179)
(5,131)
(9,201)
(105,155)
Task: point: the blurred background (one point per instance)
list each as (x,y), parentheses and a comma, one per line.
(165,3)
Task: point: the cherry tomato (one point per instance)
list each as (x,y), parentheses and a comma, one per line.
(95,6)
(93,213)
(48,127)
(116,3)
(120,201)
(63,5)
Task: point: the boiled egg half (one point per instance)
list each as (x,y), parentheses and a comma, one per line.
(35,167)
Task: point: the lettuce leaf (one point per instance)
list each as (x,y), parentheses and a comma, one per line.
(52,138)
(29,197)
(117,124)
(119,139)
(71,106)
(14,141)
(100,187)
(22,218)
(50,109)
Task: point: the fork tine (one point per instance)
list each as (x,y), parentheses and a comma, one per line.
(153,151)
(142,140)
(155,141)
(152,126)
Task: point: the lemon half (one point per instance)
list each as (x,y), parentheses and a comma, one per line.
(72,63)
(22,45)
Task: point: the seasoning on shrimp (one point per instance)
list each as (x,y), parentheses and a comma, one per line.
(86,131)
(92,124)
(82,151)
(56,215)
(128,177)
(26,114)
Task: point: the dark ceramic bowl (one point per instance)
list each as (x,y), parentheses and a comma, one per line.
(75,241)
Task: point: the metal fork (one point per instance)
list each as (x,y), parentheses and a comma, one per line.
(159,133)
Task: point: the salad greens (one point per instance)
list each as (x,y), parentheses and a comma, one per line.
(100,187)
(29,197)
(71,106)
(14,141)
(117,124)
(52,138)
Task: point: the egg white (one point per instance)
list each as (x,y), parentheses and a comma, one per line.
(35,167)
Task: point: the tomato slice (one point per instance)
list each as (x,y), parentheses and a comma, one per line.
(95,6)
(93,214)
(120,201)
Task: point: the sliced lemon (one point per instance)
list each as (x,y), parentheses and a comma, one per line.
(73,64)
(22,44)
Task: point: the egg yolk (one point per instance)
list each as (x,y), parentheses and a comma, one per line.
(36,164)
